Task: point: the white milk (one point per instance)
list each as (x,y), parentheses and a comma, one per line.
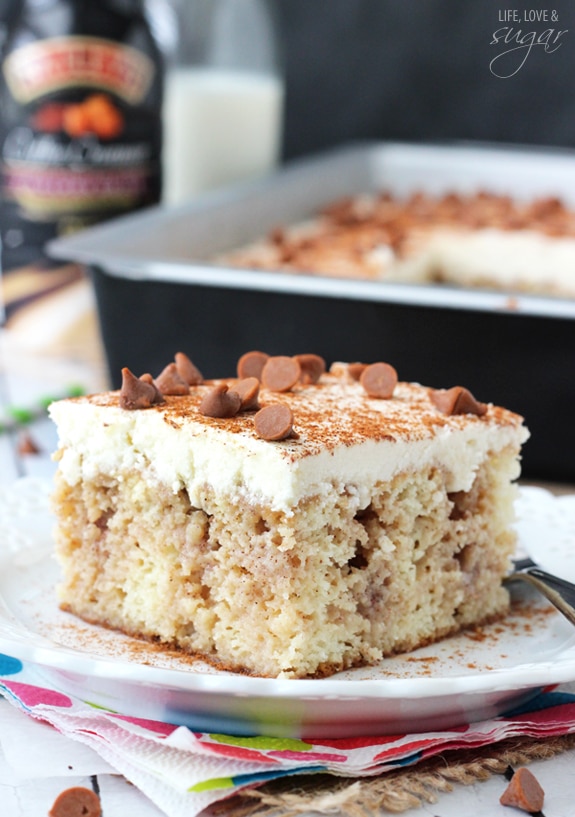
(220,126)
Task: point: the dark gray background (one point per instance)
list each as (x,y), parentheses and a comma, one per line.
(419,70)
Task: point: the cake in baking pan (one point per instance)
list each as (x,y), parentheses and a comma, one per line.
(476,240)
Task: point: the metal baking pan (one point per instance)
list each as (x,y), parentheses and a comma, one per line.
(158,290)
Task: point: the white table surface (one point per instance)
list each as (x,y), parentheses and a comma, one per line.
(25,376)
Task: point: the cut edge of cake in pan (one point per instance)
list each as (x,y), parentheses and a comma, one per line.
(287,522)
(479,240)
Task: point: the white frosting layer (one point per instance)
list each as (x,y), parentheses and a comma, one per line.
(344,438)
(523,260)
(481,240)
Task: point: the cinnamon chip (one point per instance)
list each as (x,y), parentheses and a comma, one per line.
(248,389)
(27,445)
(356,370)
(312,367)
(280,373)
(379,380)
(76,801)
(220,402)
(457,400)
(523,792)
(187,371)
(274,422)
(169,381)
(138,393)
(251,364)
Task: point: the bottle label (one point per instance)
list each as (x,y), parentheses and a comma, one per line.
(46,66)
(81,136)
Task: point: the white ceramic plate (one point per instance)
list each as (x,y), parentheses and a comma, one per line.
(464,678)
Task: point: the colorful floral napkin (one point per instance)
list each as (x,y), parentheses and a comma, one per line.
(182,772)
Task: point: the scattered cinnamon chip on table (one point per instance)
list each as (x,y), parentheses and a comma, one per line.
(523,792)
(27,445)
(77,801)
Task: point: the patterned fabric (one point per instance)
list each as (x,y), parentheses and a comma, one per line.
(183,771)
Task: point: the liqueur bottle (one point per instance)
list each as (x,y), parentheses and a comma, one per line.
(81,87)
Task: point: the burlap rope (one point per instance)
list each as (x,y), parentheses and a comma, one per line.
(391,792)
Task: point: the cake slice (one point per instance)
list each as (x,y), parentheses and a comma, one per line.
(289,522)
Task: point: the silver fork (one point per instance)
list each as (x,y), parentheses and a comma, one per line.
(559,592)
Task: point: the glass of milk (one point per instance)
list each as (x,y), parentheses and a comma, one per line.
(223,100)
